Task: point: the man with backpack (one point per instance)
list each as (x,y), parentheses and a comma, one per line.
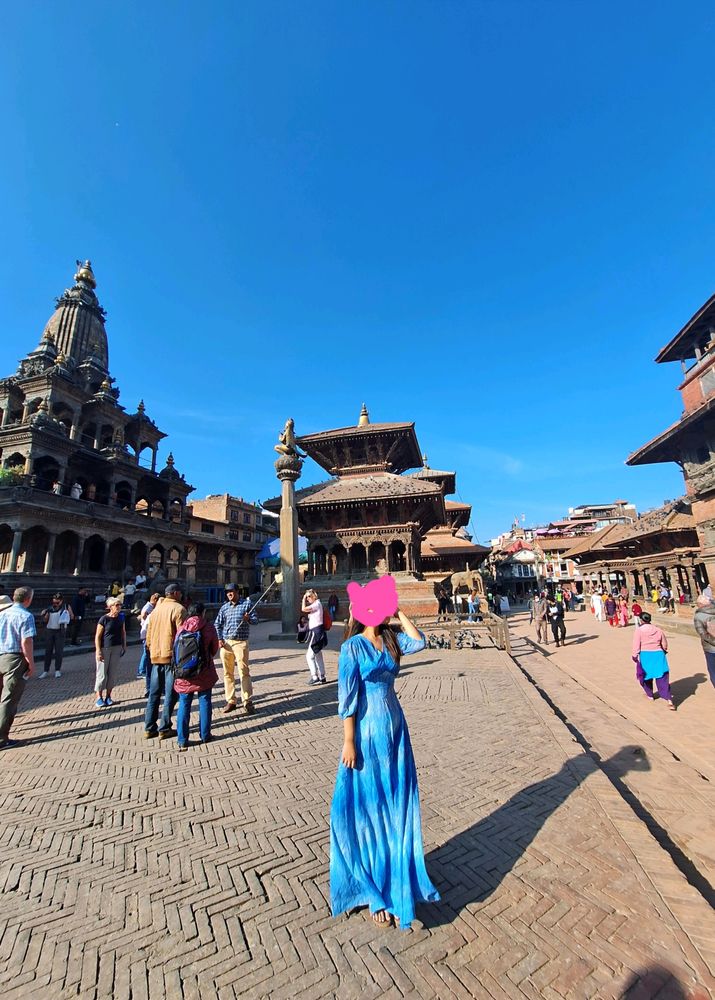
(195,646)
(164,623)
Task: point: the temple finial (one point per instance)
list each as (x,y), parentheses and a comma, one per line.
(425,463)
(364,417)
(85,274)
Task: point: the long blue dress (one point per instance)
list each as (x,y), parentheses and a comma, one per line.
(376,853)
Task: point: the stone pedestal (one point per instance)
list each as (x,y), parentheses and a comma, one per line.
(288,469)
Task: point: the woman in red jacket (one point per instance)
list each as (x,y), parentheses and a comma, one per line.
(201,684)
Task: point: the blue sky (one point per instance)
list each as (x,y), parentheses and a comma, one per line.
(483,217)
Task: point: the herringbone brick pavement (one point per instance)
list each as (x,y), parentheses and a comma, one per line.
(129,870)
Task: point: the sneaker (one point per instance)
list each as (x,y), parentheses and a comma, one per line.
(108,702)
(45,673)
(208,739)
(150,734)
(312,680)
(230,707)
(323,680)
(58,673)
(183,746)
(165,734)
(248,708)
(99,703)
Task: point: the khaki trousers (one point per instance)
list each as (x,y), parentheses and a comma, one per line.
(236,651)
(542,631)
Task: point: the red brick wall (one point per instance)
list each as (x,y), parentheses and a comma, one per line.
(692,395)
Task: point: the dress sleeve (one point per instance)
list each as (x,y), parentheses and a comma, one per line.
(348,681)
(408,645)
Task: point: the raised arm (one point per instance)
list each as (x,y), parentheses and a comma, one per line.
(408,627)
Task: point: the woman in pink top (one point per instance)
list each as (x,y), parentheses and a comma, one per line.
(650,647)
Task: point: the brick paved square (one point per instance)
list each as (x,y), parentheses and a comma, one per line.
(130,870)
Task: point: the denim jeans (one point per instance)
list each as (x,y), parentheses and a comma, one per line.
(710,663)
(162,684)
(183,715)
(144,668)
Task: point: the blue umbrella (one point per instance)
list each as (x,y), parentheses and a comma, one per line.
(270,554)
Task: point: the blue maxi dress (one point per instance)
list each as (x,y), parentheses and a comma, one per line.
(376,853)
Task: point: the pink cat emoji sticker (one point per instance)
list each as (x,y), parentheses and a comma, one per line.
(374,602)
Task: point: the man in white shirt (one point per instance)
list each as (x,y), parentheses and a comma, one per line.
(56,617)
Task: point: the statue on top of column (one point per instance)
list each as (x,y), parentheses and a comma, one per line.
(287,441)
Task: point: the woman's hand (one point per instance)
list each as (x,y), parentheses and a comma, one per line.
(349,756)
(100,656)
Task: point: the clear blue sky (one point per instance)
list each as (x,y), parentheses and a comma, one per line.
(483,217)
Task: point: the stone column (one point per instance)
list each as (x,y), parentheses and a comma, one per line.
(50,554)
(690,582)
(288,468)
(15,552)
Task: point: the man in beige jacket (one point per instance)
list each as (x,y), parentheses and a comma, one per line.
(161,631)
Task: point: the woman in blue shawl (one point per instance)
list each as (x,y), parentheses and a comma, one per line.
(376,853)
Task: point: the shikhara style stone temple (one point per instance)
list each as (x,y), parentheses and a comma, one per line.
(80,493)
(370,517)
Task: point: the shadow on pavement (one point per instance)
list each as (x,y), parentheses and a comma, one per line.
(657,981)
(576,640)
(471,866)
(684,687)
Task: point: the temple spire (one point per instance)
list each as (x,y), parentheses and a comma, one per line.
(364,417)
(76,328)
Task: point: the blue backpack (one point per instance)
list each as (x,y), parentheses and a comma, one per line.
(188,656)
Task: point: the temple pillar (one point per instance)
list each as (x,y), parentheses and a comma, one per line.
(50,554)
(28,465)
(15,551)
(690,582)
(288,468)
(6,414)
(153,459)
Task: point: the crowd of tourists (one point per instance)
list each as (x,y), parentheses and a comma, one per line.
(650,643)
(376,785)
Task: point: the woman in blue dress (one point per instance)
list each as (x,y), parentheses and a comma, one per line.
(376,853)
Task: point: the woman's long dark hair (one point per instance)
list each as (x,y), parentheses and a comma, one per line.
(389,636)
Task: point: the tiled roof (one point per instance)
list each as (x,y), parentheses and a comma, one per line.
(674,516)
(598,539)
(353,431)
(427,473)
(377,487)
(453,505)
(450,545)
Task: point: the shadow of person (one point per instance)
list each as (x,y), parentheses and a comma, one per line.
(657,981)
(683,687)
(470,866)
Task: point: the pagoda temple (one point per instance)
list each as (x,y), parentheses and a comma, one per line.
(370,518)
(448,548)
